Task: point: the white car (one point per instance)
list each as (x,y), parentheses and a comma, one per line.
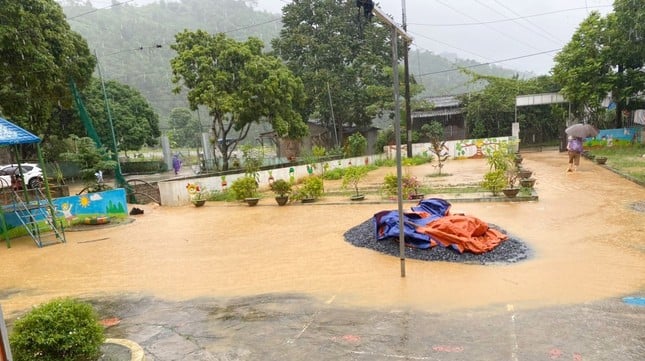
(32,174)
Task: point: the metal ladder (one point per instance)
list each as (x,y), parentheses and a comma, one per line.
(38,216)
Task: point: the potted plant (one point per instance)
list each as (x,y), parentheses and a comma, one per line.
(352,176)
(197,194)
(525,173)
(512,174)
(494,181)
(246,189)
(282,190)
(527,182)
(409,186)
(310,190)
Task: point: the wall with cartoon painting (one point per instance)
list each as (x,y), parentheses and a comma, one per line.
(90,208)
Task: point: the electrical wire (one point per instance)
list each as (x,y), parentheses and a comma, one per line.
(506,20)
(97,9)
(492,28)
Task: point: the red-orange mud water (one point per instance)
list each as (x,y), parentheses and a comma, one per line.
(588,244)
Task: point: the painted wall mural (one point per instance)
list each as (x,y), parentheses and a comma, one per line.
(91,208)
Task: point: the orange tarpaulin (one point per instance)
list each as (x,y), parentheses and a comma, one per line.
(465,233)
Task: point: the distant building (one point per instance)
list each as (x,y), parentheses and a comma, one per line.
(446,110)
(318,136)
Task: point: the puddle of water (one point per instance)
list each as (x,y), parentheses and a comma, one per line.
(635,301)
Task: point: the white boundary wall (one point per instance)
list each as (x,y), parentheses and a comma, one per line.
(173,192)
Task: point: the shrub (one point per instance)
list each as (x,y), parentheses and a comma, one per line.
(495,181)
(409,185)
(356,145)
(143,167)
(281,188)
(63,329)
(311,188)
(334,174)
(245,187)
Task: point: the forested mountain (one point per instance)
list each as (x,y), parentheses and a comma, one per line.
(132,44)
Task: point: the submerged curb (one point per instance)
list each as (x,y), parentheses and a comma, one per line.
(136,352)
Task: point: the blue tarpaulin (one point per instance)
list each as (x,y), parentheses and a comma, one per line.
(428,210)
(430,224)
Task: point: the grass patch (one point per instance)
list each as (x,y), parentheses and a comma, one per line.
(626,160)
(224,195)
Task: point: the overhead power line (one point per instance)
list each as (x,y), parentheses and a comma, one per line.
(97,9)
(507,19)
(489,63)
(491,28)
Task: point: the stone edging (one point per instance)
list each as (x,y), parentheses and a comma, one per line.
(136,351)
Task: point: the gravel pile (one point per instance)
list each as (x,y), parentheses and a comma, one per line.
(510,251)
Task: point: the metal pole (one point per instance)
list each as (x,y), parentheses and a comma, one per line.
(396,31)
(397,136)
(406,80)
(109,113)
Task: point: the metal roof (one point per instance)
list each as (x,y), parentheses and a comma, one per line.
(11,134)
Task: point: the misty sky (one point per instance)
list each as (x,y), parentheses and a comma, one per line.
(488,31)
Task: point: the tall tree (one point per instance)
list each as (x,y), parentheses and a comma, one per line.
(582,68)
(491,111)
(626,48)
(239,85)
(39,54)
(606,55)
(185,129)
(343,59)
(135,122)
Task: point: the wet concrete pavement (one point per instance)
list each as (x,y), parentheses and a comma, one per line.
(231,282)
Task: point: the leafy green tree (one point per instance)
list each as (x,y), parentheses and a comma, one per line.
(581,67)
(135,122)
(605,55)
(185,128)
(338,54)
(356,145)
(239,85)
(39,54)
(435,133)
(89,159)
(626,48)
(490,112)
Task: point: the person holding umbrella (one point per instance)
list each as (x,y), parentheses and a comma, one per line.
(577,133)
(574,148)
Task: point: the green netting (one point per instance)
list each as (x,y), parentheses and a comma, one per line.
(91,132)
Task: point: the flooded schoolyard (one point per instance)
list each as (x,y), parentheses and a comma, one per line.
(585,233)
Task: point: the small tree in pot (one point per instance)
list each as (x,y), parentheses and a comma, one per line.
(310,190)
(282,190)
(352,177)
(246,189)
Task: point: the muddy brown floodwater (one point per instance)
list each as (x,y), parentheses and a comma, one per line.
(588,243)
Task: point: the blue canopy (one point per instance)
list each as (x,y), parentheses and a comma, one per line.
(11,134)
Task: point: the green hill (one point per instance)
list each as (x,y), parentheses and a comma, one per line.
(132,44)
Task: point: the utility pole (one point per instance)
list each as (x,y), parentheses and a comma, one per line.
(406,80)
(396,32)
